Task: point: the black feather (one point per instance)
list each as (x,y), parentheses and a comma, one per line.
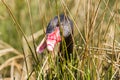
(66,26)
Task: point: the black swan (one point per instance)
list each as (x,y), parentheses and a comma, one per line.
(59,30)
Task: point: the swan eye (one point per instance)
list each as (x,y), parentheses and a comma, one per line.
(57,25)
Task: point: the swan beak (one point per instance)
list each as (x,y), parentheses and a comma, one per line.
(41,46)
(49,41)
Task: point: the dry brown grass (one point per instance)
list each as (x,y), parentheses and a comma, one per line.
(96,40)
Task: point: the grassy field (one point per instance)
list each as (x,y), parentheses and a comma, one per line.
(96,54)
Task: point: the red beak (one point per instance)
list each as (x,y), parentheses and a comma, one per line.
(50,41)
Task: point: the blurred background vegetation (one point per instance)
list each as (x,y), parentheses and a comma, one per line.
(98,21)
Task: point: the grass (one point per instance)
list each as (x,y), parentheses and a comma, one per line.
(96,40)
